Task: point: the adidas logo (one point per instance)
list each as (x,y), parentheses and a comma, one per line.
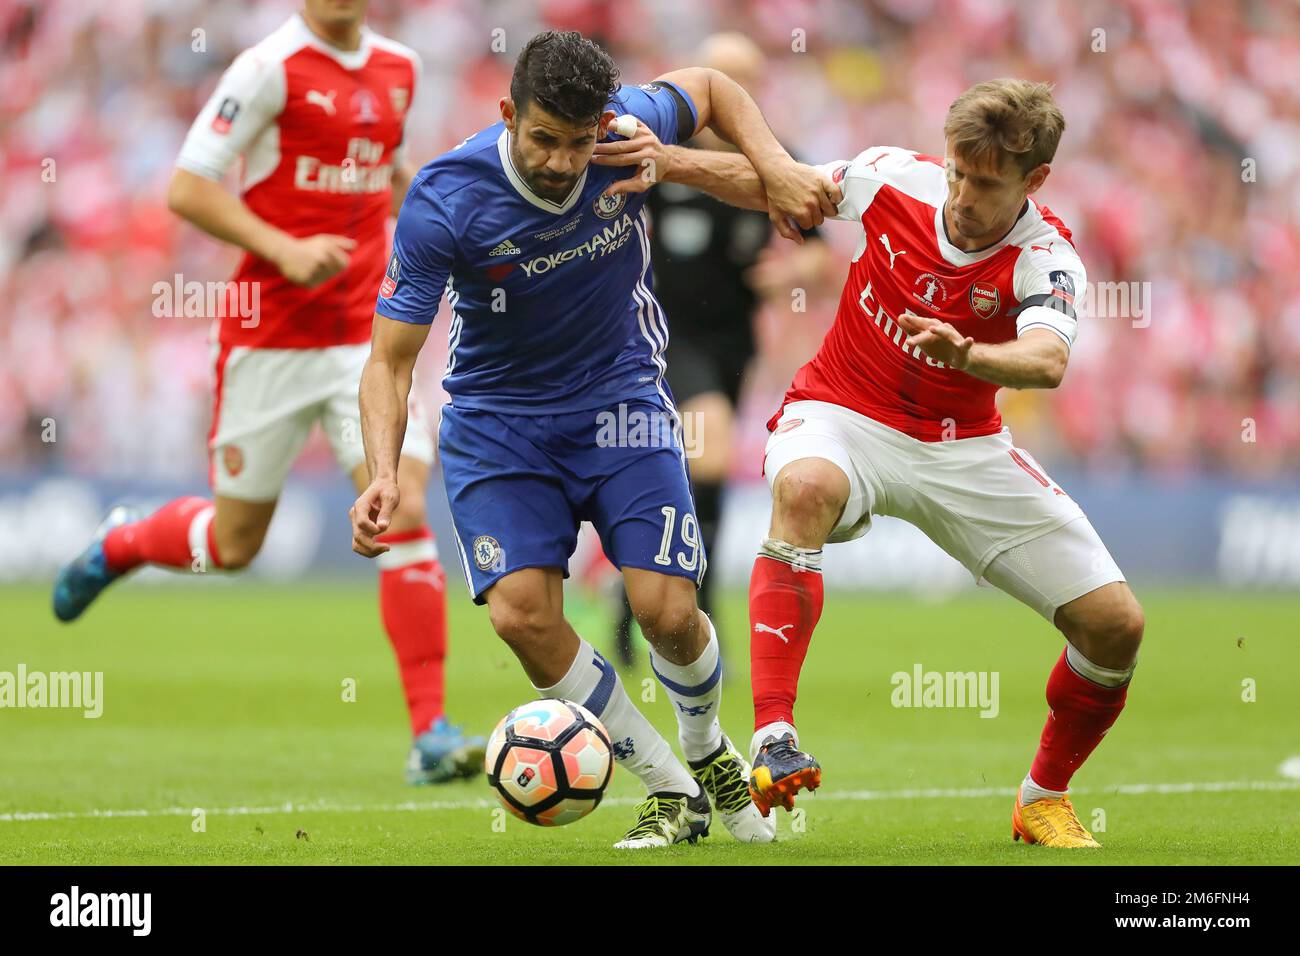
(506,248)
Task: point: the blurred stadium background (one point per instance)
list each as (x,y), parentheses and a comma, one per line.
(1176,428)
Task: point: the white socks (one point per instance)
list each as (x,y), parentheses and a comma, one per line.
(775,729)
(1030,791)
(695,690)
(1104,676)
(592,682)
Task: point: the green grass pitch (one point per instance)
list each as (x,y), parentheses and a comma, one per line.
(229,699)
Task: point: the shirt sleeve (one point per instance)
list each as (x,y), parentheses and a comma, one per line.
(424,250)
(663,106)
(1047,282)
(860,178)
(247,100)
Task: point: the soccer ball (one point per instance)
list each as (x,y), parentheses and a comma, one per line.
(549,762)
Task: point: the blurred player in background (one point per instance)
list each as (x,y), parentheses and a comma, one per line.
(555,335)
(316,111)
(961,284)
(712,266)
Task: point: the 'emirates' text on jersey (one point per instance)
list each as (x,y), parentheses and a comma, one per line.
(905,263)
(319,131)
(552,308)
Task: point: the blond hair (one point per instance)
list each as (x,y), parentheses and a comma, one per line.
(1005,119)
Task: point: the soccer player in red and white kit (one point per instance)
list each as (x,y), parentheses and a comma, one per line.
(961,284)
(317,112)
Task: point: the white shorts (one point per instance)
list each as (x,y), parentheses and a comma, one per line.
(982,500)
(266,402)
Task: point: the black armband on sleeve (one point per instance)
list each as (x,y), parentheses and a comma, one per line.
(685,118)
(1049,301)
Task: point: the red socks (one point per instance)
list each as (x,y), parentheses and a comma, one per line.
(1081,713)
(177,535)
(785,603)
(413,605)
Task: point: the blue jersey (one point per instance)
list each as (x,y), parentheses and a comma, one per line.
(552,303)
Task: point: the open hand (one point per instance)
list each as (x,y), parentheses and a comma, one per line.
(643,150)
(939,340)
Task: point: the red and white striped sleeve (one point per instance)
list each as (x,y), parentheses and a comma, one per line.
(247,100)
(1048,279)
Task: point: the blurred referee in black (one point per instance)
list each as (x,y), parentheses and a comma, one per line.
(710,276)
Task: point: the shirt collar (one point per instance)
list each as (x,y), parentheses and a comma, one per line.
(521,187)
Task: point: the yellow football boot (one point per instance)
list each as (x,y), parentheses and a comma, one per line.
(1051,822)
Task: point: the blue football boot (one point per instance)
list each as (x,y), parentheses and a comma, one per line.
(81,579)
(443,753)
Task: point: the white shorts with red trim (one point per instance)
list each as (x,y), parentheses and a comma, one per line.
(983,500)
(266,403)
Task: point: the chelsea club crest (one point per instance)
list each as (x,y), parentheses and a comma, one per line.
(487,552)
(607,207)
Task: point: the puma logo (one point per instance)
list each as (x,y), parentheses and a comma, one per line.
(763,628)
(1046,248)
(324,100)
(884,241)
(417,576)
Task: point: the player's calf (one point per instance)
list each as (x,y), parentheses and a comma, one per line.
(684,655)
(1085,697)
(238,531)
(526,608)
(693,681)
(670,619)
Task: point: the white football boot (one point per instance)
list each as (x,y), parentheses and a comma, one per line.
(724,775)
(663,819)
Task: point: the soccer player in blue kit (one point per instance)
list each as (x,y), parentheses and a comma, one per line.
(558,409)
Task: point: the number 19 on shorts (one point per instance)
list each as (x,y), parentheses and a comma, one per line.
(689,557)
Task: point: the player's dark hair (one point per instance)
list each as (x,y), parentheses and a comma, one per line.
(565,74)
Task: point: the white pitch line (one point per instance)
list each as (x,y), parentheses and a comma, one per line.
(1130,789)
(417,806)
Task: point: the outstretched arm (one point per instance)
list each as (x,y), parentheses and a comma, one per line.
(730,177)
(794,199)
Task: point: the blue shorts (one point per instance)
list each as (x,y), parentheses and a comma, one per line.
(520,485)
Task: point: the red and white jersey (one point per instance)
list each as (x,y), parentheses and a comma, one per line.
(319,130)
(905,263)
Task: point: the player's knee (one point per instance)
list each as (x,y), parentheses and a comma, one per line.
(810,496)
(524,623)
(1128,626)
(669,623)
(1110,636)
(1120,629)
